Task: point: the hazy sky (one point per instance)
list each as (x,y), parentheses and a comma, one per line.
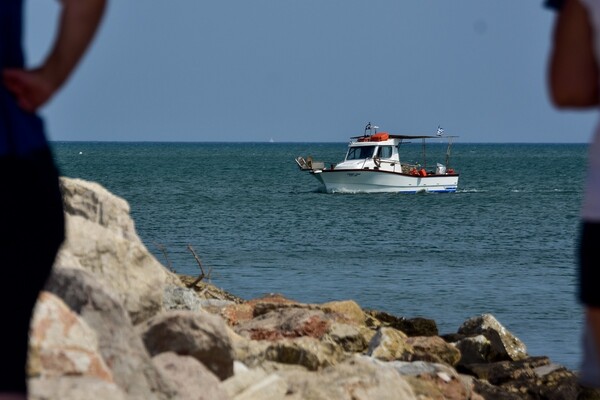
(309,70)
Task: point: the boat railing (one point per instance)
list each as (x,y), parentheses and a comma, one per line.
(302,164)
(309,164)
(379,162)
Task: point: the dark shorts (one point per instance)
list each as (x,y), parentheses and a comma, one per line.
(589,370)
(589,249)
(31,232)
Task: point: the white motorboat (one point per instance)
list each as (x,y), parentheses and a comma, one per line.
(374,164)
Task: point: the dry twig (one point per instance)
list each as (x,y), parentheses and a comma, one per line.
(163,249)
(202,273)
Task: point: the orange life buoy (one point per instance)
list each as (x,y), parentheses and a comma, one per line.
(422,172)
(380,137)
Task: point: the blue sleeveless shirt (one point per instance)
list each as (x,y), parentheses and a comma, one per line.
(21,132)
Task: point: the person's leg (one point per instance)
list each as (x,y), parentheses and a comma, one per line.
(589,295)
(31,231)
(13,396)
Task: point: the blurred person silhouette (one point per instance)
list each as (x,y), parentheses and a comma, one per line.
(574,84)
(31,213)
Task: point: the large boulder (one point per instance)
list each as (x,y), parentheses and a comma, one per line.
(101,238)
(503,344)
(305,351)
(475,349)
(537,376)
(435,381)
(74,388)
(410,326)
(390,344)
(181,298)
(299,353)
(287,322)
(349,337)
(354,379)
(62,344)
(434,349)
(256,384)
(94,203)
(193,381)
(118,342)
(198,334)
(347,310)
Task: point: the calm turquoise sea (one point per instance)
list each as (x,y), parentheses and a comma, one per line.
(503,244)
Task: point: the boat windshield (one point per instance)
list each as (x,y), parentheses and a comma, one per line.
(360,152)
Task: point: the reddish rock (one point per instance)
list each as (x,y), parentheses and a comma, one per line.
(285,323)
(63,344)
(238,313)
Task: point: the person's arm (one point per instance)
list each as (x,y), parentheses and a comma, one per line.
(78,24)
(573,75)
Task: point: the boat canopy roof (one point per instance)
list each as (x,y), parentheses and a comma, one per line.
(411,136)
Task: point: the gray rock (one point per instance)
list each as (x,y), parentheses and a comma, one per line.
(535,376)
(197,334)
(215,306)
(504,345)
(180,298)
(417,368)
(475,349)
(434,349)
(348,311)
(74,388)
(94,203)
(257,385)
(242,380)
(193,381)
(299,353)
(390,344)
(348,337)
(354,379)
(435,380)
(307,352)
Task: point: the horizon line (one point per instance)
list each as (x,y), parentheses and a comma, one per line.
(270,142)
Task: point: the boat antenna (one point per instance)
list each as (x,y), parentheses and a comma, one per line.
(424,153)
(371,128)
(448,150)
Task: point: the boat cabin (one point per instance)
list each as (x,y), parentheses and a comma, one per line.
(377,151)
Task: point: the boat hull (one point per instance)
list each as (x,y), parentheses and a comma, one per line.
(375,181)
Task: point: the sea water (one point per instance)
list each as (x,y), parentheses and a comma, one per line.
(504,243)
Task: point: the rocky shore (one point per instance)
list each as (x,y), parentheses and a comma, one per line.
(114,323)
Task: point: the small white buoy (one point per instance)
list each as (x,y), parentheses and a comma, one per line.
(81,152)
